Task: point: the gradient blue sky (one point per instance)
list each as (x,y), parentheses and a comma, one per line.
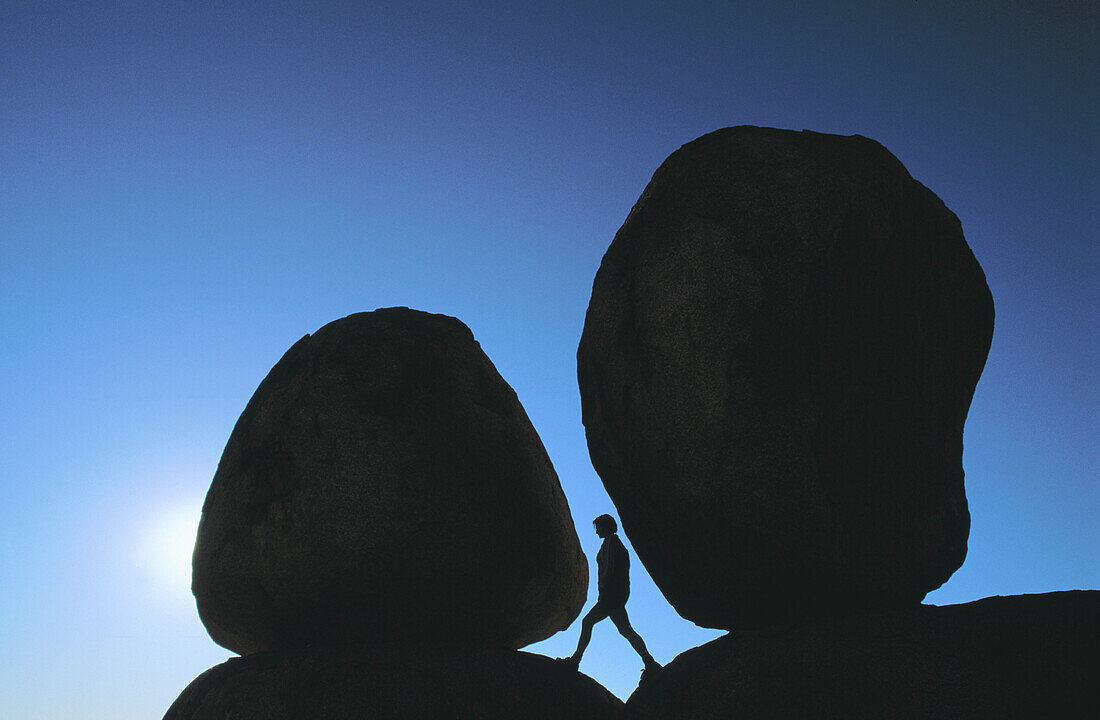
(187,188)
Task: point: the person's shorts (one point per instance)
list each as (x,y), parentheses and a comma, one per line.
(607,605)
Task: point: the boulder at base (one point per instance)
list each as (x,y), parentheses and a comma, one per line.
(779,354)
(1021,656)
(394,683)
(385,484)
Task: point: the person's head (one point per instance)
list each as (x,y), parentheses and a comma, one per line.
(605,525)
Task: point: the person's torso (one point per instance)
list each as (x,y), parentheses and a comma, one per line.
(613,569)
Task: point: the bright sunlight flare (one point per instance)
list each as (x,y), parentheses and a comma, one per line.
(165,545)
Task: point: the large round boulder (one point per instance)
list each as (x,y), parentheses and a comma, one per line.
(1021,656)
(779,354)
(385,484)
(407,682)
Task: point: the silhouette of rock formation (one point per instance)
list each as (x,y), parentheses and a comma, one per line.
(385,484)
(1022,656)
(780,351)
(405,682)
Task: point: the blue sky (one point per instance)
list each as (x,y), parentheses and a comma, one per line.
(188,188)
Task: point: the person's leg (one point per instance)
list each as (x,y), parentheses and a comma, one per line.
(597,613)
(622,622)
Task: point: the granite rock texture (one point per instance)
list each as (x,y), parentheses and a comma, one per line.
(1001,658)
(385,484)
(777,361)
(407,682)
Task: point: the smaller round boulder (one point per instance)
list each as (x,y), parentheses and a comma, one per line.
(385,484)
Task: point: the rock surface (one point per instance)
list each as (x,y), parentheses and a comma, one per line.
(777,361)
(394,683)
(385,484)
(1022,656)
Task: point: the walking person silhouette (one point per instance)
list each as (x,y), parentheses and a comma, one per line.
(613,572)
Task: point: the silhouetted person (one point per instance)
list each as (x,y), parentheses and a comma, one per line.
(613,572)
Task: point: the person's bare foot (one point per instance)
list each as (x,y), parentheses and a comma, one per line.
(649,671)
(571,662)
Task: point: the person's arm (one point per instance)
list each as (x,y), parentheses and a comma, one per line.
(622,564)
(603,561)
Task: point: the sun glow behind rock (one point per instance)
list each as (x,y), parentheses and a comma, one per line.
(164,548)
